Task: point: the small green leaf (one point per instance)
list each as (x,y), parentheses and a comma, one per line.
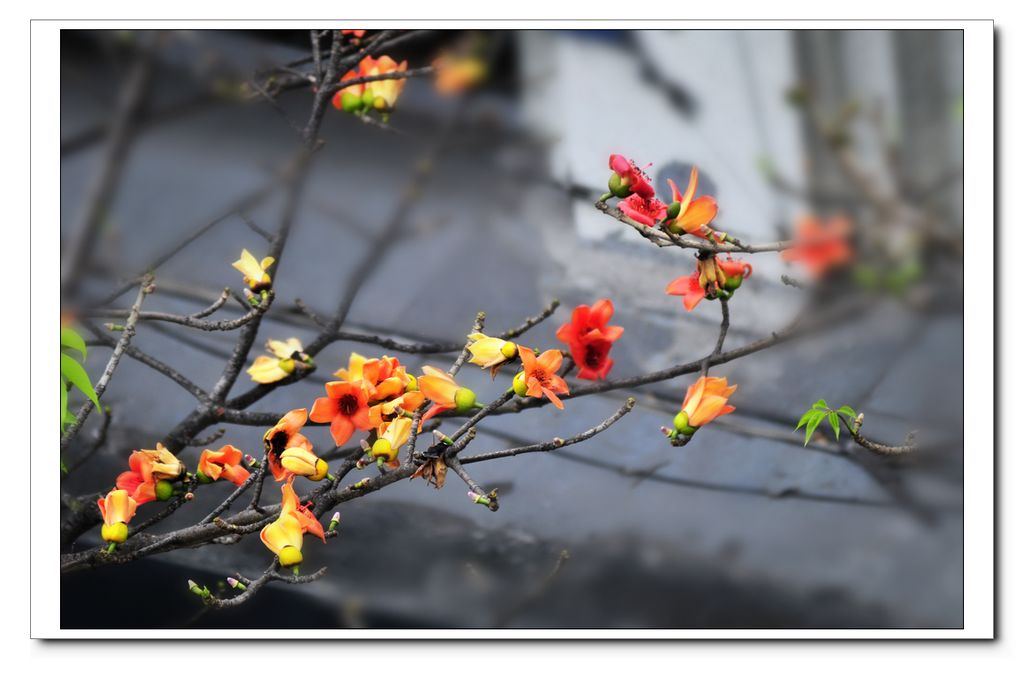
(63,404)
(813,424)
(71,339)
(848,411)
(833,419)
(77,375)
(821,405)
(804,419)
(69,418)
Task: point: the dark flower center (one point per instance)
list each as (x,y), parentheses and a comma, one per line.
(277,442)
(348,405)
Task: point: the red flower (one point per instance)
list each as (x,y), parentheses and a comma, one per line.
(647,211)
(590,338)
(345,407)
(821,245)
(689,288)
(630,176)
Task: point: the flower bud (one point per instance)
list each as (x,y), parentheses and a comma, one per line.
(235,584)
(618,186)
(350,103)
(335,519)
(465,400)
(519,383)
(114,534)
(164,489)
(733,283)
(682,424)
(672,211)
(203,478)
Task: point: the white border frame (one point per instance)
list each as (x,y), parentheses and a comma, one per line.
(979,179)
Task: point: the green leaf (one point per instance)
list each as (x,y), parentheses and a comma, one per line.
(848,411)
(71,339)
(63,404)
(812,424)
(804,419)
(821,405)
(77,375)
(833,419)
(69,418)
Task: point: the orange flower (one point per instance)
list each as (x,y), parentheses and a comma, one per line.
(821,245)
(390,438)
(689,288)
(383,377)
(117,509)
(706,399)
(379,95)
(224,463)
(284,535)
(284,435)
(441,389)
(354,32)
(457,73)
(692,216)
(345,408)
(148,469)
(387,410)
(540,376)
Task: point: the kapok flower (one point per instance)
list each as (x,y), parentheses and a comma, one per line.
(539,377)
(628,178)
(150,474)
(383,377)
(267,370)
(390,438)
(302,462)
(282,436)
(706,399)
(690,215)
(440,388)
(689,288)
(379,95)
(345,408)
(224,463)
(389,409)
(492,352)
(117,509)
(354,32)
(821,245)
(736,271)
(254,273)
(456,73)
(647,211)
(590,338)
(284,535)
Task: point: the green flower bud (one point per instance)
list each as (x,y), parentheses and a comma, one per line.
(682,424)
(164,488)
(673,210)
(465,400)
(618,186)
(519,383)
(350,103)
(733,283)
(367,100)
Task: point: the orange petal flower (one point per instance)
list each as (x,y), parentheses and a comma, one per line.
(707,399)
(387,410)
(223,463)
(821,245)
(117,509)
(590,338)
(345,408)
(283,435)
(694,214)
(284,535)
(438,386)
(542,375)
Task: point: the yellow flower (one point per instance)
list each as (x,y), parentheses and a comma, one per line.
(254,272)
(490,352)
(390,438)
(302,462)
(355,368)
(117,508)
(267,370)
(164,465)
(284,535)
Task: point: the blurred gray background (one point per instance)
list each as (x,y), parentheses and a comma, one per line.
(744,527)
